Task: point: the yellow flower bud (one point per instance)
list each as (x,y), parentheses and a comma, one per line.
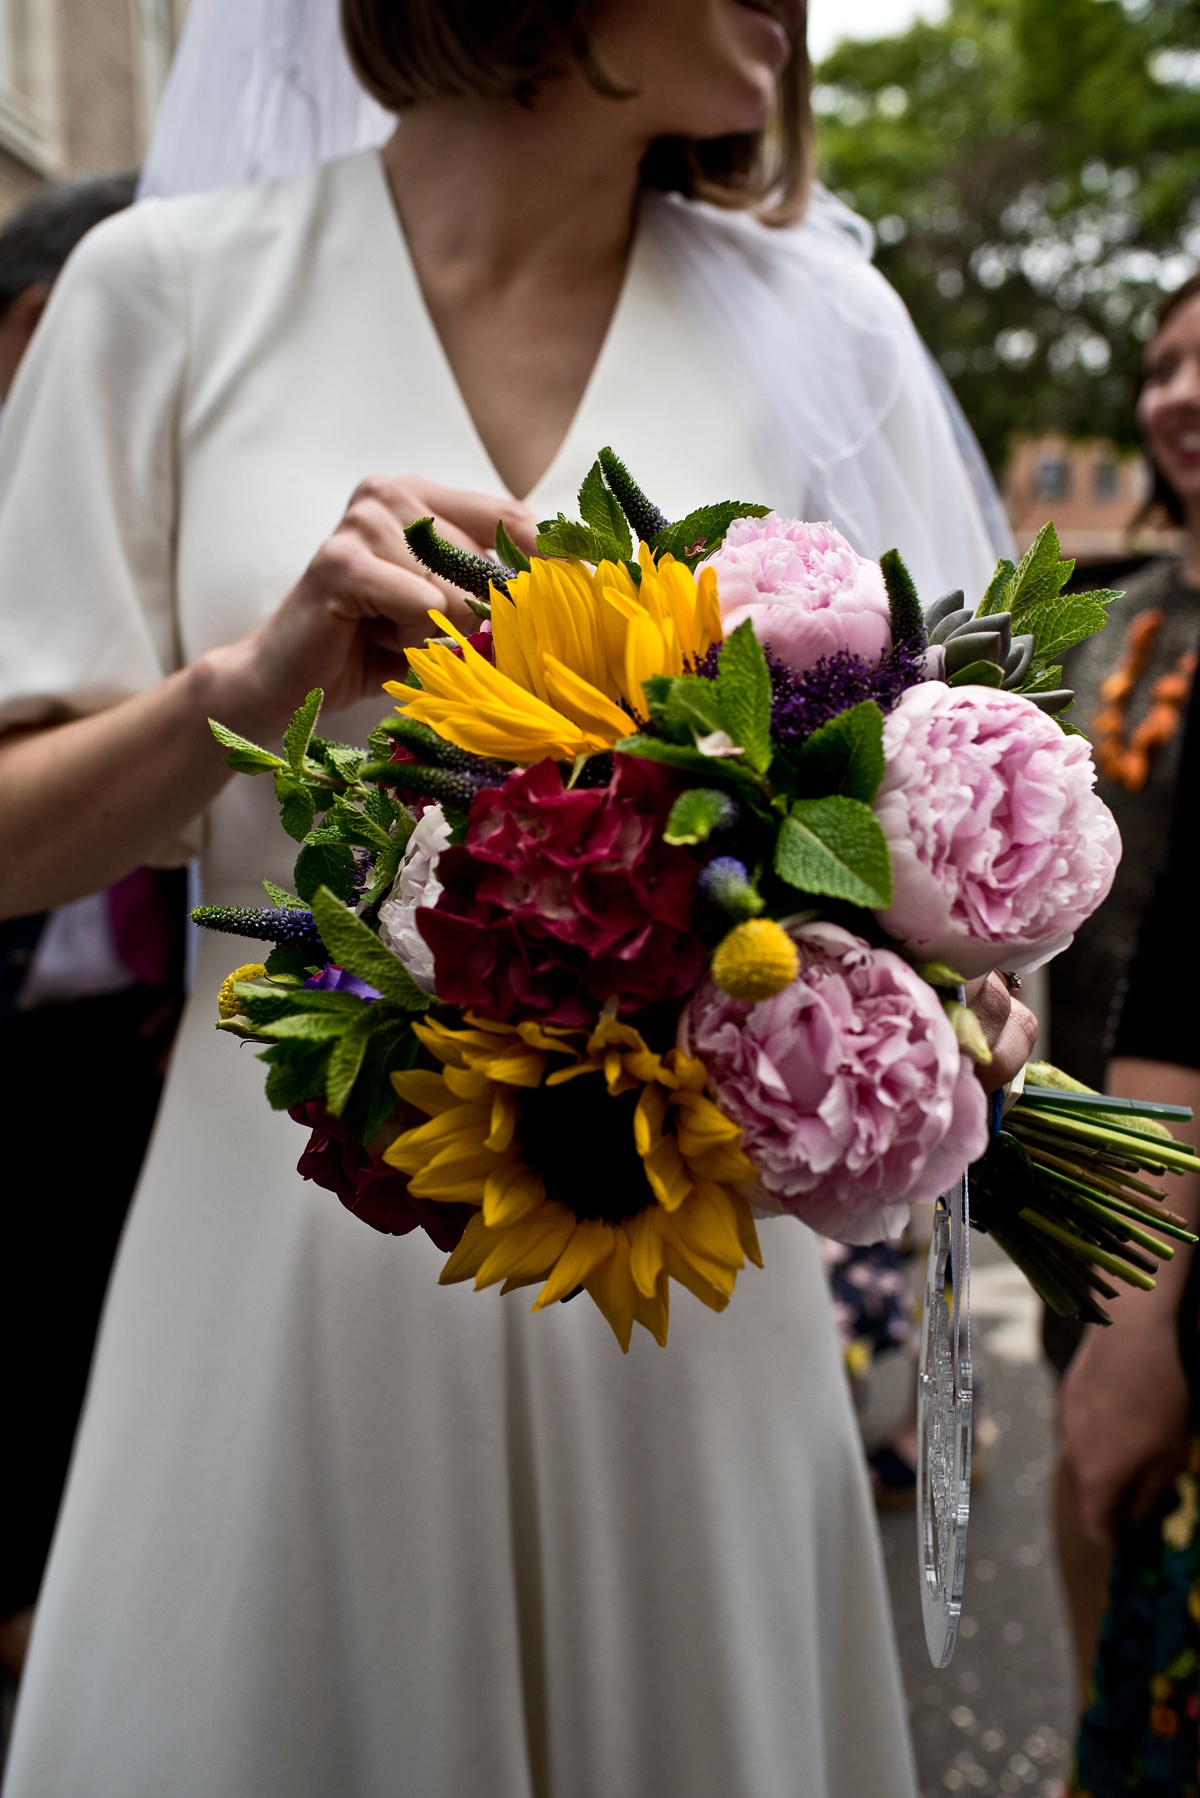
(755,961)
(227,1002)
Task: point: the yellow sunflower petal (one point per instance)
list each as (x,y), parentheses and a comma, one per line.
(533,1242)
(648,1120)
(706,1225)
(654,1314)
(505,1115)
(680,1268)
(646,1251)
(610,1286)
(668,1174)
(747,1234)
(510,1192)
(472,1251)
(590,1243)
(424,1089)
(584,705)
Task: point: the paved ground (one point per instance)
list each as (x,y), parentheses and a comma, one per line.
(1000,1717)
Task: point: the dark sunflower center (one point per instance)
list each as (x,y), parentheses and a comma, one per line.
(581,1142)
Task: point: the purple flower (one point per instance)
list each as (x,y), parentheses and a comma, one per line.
(1000,846)
(804,590)
(333,979)
(852,1094)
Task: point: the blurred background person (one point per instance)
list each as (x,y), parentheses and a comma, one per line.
(96,984)
(1127,1491)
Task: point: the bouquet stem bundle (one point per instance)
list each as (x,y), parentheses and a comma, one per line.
(1060,1192)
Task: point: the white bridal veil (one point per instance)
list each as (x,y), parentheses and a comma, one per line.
(264,88)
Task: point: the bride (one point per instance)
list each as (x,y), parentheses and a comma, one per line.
(331,1528)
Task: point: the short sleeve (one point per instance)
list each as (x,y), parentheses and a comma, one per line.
(88,481)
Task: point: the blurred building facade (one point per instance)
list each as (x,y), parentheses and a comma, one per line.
(80,82)
(1094,494)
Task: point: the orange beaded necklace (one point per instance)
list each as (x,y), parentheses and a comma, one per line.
(1128,761)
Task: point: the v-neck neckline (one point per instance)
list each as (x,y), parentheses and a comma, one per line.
(436,349)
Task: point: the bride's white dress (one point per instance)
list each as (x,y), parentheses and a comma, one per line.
(331,1529)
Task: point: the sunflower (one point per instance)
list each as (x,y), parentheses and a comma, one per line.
(595,1164)
(573,647)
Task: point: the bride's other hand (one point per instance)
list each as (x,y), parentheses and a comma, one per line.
(361,602)
(1010,1028)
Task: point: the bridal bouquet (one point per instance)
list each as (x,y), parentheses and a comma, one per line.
(649,908)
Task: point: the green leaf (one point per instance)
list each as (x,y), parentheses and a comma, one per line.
(507,550)
(996,597)
(561,536)
(978,674)
(245,757)
(678,755)
(835,847)
(1046,680)
(602,510)
(296,807)
(296,1072)
(683,705)
(373,1098)
(325,865)
(344,761)
(697,813)
(379,743)
(300,729)
(315,998)
(1062,622)
(356,948)
(307,1026)
(281,898)
(845,755)
(292,958)
(743,686)
(703,531)
(355,826)
(385,811)
(344,1065)
(1041,576)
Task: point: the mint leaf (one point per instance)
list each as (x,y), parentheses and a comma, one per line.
(344,1064)
(703,531)
(509,554)
(245,757)
(678,755)
(845,755)
(996,597)
(357,949)
(281,898)
(296,807)
(1046,680)
(601,509)
(374,1097)
(307,1026)
(835,847)
(357,826)
(697,813)
(683,705)
(743,687)
(344,761)
(1062,622)
(325,865)
(562,537)
(300,729)
(295,959)
(1041,575)
(296,1072)
(978,674)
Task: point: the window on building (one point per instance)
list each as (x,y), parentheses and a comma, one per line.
(1052,478)
(1106,482)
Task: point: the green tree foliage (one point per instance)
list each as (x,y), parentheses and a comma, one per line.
(1032,168)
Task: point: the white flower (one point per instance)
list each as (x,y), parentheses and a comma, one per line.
(416,884)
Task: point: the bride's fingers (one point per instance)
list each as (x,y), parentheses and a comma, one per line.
(346,574)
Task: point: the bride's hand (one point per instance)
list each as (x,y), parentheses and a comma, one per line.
(1010,1028)
(361,602)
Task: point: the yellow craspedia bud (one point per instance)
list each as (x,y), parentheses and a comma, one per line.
(227,1003)
(755,961)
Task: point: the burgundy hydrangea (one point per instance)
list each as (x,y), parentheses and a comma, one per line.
(560,899)
(367,1186)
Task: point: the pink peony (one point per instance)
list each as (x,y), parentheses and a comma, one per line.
(854,1098)
(804,590)
(1000,846)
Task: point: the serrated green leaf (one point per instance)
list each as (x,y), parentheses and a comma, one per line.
(602,510)
(1062,622)
(386,812)
(978,674)
(996,597)
(743,686)
(245,757)
(315,998)
(307,1026)
(1046,680)
(678,755)
(379,743)
(355,826)
(373,1098)
(344,1065)
(702,531)
(325,865)
(697,813)
(356,948)
(281,898)
(343,760)
(300,728)
(292,958)
(1041,576)
(844,756)
(683,705)
(510,555)
(296,1072)
(561,536)
(296,808)
(835,848)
